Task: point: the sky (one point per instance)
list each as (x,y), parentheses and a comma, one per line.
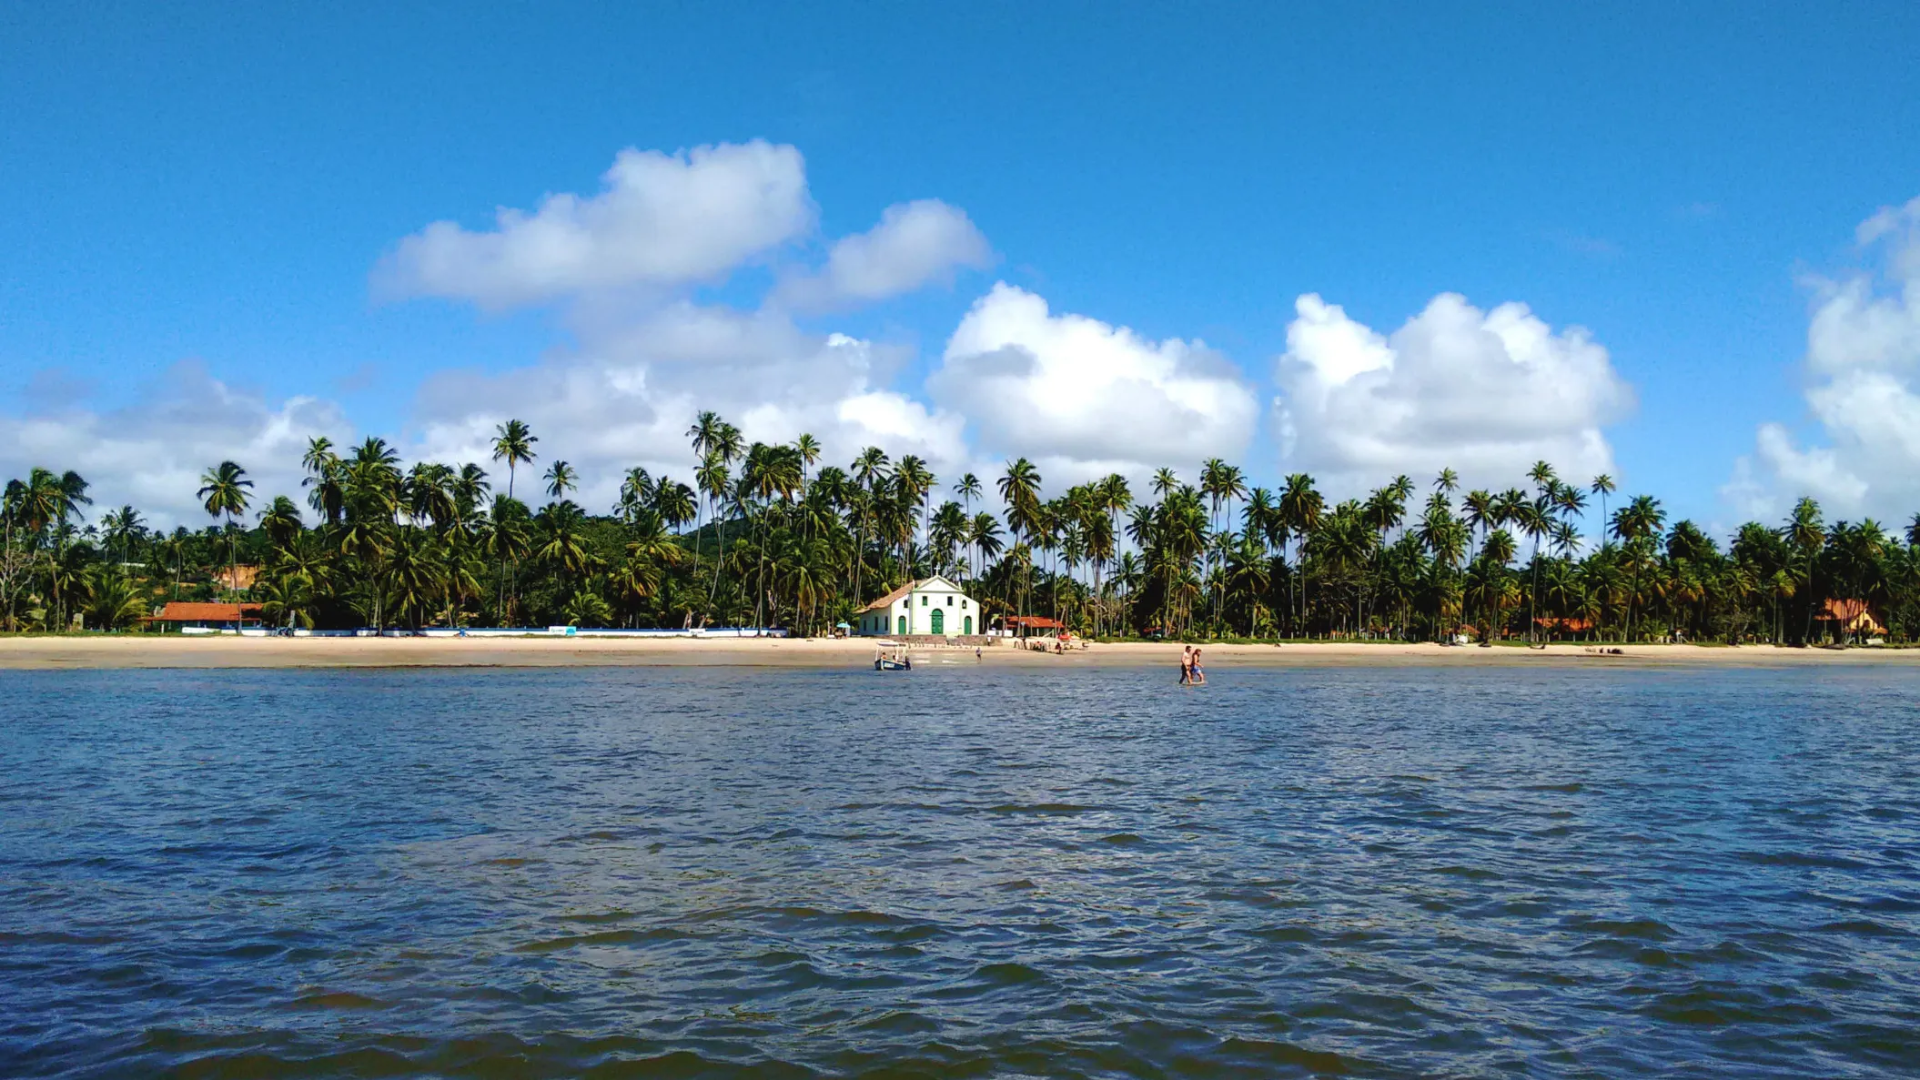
(1681,247)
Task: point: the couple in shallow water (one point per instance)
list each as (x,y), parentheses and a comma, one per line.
(1190,672)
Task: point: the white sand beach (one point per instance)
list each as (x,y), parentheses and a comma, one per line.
(155,651)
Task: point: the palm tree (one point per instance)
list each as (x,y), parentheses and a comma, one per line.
(513,443)
(280,521)
(1543,477)
(411,577)
(1532,518)
(561,478)
(870,472)
(1020,491)
(113,601)
(470,491)
(1637,522)
(223,490)
(1805,534)
(705,434)
(323,468)
(808,448)
(504,536)
(914,481)
(674,502)
(1299,510)
(720,445)
(968,488)
(1603,486)
(122,527)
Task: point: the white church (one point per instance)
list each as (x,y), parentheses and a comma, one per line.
(933,606)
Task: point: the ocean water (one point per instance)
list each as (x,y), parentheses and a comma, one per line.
(959,871)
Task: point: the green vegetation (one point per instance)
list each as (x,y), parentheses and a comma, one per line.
(767,536)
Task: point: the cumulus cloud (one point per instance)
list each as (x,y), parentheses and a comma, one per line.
(1484,393)
(643,356)
(152,452)
(662,220)
(915,244)
(1863,359)
(631,400)
(1086,395)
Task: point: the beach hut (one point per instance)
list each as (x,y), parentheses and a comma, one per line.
(931,607)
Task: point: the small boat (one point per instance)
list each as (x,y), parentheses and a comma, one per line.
(892,656)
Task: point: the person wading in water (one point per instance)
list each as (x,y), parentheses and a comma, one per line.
(1186,664)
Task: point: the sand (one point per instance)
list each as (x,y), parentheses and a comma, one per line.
(152,651)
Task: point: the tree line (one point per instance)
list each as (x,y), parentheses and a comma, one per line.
(766,535)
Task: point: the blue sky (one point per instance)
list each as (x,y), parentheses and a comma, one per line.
(219,183)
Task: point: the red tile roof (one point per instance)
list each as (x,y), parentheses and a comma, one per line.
(1035,622)
(887,601)
(190,611)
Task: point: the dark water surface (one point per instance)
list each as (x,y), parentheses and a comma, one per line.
(960,872)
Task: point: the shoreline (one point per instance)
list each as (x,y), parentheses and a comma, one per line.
(146,651)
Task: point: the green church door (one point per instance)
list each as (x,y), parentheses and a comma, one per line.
(968,623)
(903,625)
(939,621)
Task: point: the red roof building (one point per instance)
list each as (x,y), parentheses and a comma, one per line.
(192,613)
(1028,625)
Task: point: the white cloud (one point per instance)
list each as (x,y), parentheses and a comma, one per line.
(661,220)
(152,452)
(631,400)
(915,244)
(1081,394)
(1484,393)
(645,358)
(1863,353)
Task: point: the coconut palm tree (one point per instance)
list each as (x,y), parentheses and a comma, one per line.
(323,466)
(470,492)
(120,528)
(281,523)
(561,478)
(1300,509)
(674,502)
(513,443)
(1637,522)
(411,577)
(870,472)
(914,481)
(808,448)
(1603,486)
(968,488)
(506,536)
(223,491)
(1531,517)
(1020,491)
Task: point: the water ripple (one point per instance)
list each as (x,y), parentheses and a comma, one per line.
(963,872)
